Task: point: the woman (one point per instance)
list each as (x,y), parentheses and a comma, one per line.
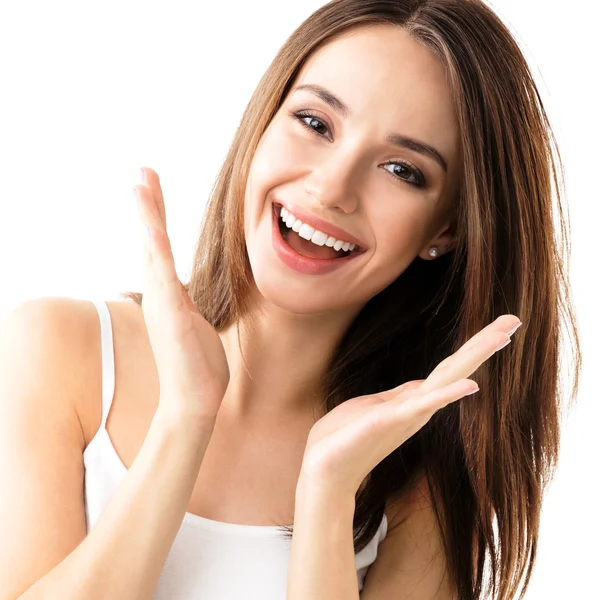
(380,228)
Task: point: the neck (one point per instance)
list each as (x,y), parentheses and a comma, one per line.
(277,365)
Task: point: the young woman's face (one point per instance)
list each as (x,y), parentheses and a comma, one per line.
(343,169)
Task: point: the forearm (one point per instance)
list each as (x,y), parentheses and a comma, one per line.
(322,561)
(124,553)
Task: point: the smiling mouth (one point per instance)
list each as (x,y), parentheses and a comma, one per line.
(313,250)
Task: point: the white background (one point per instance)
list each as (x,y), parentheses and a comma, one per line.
(91,91)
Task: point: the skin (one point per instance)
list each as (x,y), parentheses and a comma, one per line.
(342,179)
(391,84)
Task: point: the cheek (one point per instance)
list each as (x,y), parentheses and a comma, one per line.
(400,232)
(271,167)
(276,156)
(285,152)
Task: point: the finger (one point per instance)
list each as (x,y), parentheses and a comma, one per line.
(427,404)
(188,301)
(150,288)
(503,323)
(416,410)
(163,270)
(484,337)
(464,364)
(148,210)
(161,275)
(152,181)
(400,391)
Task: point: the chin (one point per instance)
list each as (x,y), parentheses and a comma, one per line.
(294,297)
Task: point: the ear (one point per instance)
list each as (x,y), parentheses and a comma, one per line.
(443,239)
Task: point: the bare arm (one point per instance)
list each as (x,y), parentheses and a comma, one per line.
(44,551)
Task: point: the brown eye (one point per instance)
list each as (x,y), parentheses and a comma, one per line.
(301,116)
(417,176)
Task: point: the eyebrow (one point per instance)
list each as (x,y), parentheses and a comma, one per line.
(394,138)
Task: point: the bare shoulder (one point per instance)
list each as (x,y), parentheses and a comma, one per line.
(134,367)
(57,336)
(411,560)
(415,498)
(62,335)
(128,319)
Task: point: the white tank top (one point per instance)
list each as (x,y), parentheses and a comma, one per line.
(208,560)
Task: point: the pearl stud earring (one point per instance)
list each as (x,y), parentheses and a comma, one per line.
(433,251)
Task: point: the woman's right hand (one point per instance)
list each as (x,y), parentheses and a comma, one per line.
(190,359)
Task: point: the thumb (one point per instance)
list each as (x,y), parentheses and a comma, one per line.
(187,300)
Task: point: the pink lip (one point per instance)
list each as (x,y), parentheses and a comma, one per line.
(321,225)
(303,264)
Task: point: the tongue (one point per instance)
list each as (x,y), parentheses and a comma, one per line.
(307,248)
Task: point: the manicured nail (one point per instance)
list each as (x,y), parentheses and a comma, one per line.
(515,328)
(472,392)
(142,177)
(504,344)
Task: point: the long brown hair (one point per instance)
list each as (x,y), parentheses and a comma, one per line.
(487,459)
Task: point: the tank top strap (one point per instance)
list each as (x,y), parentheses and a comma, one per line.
(108,361)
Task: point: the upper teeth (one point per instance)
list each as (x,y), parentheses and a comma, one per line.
(314,235)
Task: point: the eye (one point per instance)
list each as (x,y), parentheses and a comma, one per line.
(417,177)
(418,180)
(309,120)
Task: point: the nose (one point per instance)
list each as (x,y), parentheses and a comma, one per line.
(333,184)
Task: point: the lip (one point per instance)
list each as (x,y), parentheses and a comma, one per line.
(303,264)
(324,226)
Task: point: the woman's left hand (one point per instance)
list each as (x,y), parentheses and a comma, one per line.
(345,445)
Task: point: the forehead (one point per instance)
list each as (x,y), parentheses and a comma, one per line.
(389,81)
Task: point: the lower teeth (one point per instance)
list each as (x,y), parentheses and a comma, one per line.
(338,253)
(285,232)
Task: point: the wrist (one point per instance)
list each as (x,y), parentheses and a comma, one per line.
(322,507)
(178,423)
(312,489)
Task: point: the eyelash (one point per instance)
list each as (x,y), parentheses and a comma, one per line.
(420,180)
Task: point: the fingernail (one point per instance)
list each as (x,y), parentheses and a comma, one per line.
(142,177)
(504,344)
(472,392)
(515,328)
